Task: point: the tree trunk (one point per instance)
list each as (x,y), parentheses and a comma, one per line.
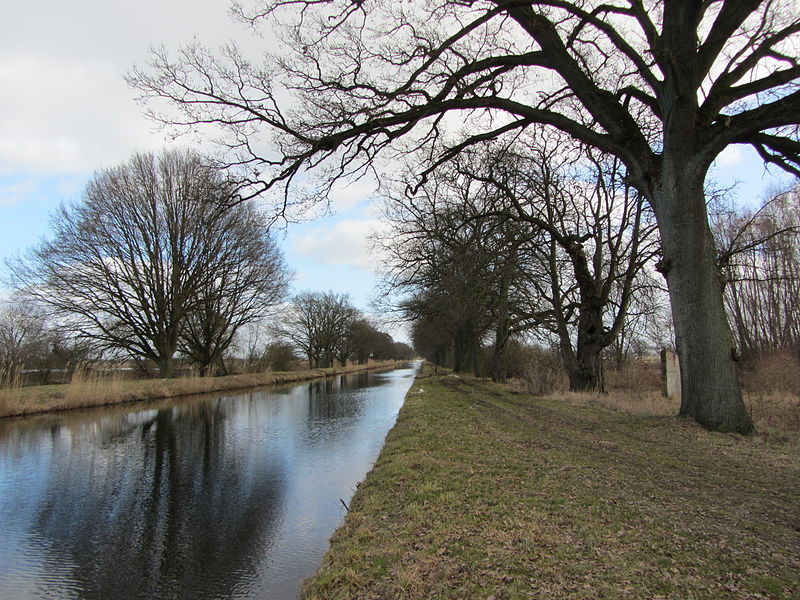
(709,384)
(586,372)
(584,367)
(499,364)
(584,362)
(165,366)
(459,351)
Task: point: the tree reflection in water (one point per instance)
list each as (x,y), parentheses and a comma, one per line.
(205,498)
(170,510)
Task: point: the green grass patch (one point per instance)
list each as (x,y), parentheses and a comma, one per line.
(482,492)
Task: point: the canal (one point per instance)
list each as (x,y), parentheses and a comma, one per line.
(228,497)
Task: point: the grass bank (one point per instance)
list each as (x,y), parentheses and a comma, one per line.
(482,492)
(86,391)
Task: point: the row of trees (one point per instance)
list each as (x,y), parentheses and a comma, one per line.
(759,253)
(29,344)
(159,260)
(328,329)
(532,239)
(552,248)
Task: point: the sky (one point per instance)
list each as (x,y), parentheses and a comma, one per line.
(66,111)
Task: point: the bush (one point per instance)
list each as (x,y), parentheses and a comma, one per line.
(541,370)
(280,356)
(635,375)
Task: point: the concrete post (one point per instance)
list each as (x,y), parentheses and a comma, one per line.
(670,374)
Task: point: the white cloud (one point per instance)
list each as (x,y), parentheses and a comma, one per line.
(67,118)
(346,196)
(14,193)
(65,107)
(343,243)
(731,156)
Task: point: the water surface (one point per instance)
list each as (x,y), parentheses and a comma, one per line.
(226,497)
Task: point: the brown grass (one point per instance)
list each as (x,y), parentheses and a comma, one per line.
(774,373)
(644,403)
(772,414)
(88,389)
(770,384)
(635,376)
(89,386)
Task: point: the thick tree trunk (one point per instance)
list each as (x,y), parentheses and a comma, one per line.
(466,346)
(591,342)
(585,366)
(586,372)
(709,384)
(584,362)
(165,366)
(459,352)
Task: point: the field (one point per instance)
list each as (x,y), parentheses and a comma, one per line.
(487,492)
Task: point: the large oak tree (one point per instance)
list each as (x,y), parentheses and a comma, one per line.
(664,86)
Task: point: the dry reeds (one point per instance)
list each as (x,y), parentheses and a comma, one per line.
(635,376)
(771,387)
(98,388)
(543,372)
(774,412)
(92,387)
(640,403)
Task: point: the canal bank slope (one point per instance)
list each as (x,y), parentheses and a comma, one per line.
(484,493)
(100,390)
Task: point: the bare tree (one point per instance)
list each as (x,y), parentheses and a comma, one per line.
(24,339)
(316,323)
(128,264)
(364,341)
(431,340)
(456,267)
(647,324)
(250,278)
(759,252)
(592,236)
(547,236)
(664,86)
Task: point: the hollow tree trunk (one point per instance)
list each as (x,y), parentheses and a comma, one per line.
(586,374)
(584,365)
(710,391)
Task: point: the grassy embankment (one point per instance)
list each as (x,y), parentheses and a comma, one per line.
(86,391)
(483,492)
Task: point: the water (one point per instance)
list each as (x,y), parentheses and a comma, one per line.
(227,497)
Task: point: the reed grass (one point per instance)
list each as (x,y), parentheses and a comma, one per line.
(771,391)
(98,388)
